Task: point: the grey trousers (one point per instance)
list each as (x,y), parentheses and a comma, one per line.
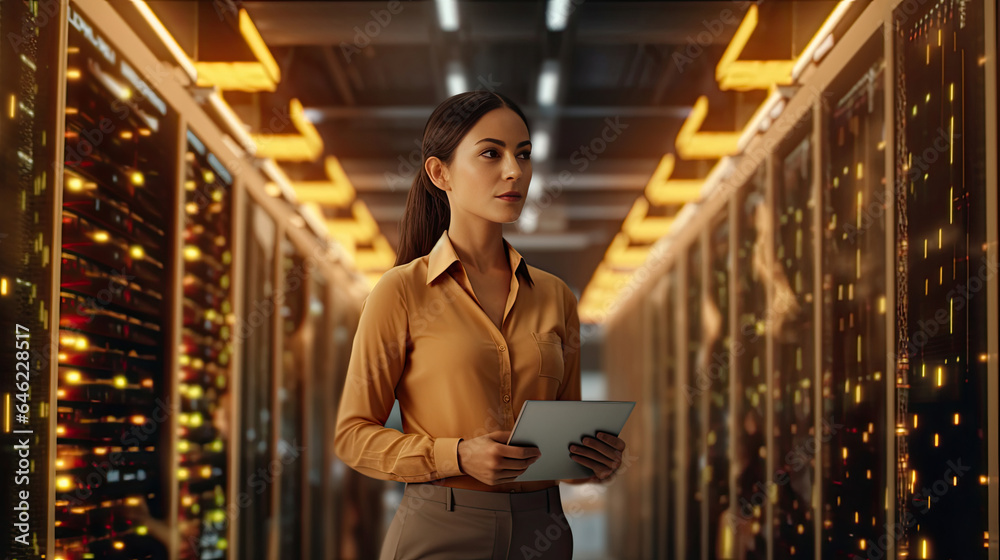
(440,523)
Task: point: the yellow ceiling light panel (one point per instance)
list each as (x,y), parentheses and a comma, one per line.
(620,255)
(305,145)
(639,227)
(691,143)
(260,75)
(606,276)
(338,191)
(745,75)
(257,46)
(661,189)
(348,243)
(380,257)
(362,227)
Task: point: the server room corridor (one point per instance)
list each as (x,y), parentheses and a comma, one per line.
(278,279)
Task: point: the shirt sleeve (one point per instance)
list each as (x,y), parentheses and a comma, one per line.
(378,358)
(570,390)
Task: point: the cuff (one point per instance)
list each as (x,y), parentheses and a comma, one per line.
(446,457)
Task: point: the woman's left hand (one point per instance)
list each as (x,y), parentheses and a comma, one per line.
(602,454)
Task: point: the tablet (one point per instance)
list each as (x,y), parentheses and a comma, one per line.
(553,426)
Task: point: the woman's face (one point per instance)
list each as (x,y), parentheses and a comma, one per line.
(492,159)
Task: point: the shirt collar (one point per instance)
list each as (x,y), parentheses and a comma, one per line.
(443,255)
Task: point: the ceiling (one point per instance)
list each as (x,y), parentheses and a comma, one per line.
(370,73)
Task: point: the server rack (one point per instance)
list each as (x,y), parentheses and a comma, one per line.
(202,329)
(839,416)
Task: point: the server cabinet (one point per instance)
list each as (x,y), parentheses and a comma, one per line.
(942,342)
(854,419)
(31,91)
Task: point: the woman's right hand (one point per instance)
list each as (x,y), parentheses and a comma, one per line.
(489,460)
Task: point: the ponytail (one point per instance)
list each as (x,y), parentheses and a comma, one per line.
(426,217)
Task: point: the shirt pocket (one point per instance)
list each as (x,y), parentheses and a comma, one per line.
(550,355)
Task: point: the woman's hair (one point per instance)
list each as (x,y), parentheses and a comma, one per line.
(427,213)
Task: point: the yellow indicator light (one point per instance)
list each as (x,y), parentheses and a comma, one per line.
(100,236)
(74,184)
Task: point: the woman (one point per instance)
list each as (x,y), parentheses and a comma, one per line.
(462,331)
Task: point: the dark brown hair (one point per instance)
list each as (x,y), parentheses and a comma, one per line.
(427,213)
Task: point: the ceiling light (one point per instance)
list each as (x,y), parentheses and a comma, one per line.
(548,83)
(447,14)
(535,187)
(540,145)
(456,79)
(528,221)
(556,14)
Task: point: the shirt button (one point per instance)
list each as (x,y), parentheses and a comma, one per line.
(506,398)
(502,348)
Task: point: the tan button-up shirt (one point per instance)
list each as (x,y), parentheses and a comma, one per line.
(424,339)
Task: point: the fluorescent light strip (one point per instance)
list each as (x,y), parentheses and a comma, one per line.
(540,145)
(456,79)
(447,14)
(535,188)
(168,40)
(548,83)
(556,14)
